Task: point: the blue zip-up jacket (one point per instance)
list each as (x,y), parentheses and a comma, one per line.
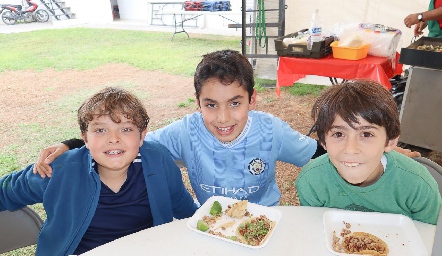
(70,197)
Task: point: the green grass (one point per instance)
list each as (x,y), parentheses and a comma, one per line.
(86,48)
(9,163)
(187,103)
(301,89)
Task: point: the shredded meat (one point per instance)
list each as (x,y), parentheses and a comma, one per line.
(357,244)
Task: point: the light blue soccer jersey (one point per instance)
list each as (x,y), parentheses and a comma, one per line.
(242,169)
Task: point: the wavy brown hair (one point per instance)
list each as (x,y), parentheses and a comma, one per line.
(113,102)
(365,98)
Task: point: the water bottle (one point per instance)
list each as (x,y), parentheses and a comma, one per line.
(315,29)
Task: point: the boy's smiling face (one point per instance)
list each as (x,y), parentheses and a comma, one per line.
(225,108)
(356,153)
(113,145)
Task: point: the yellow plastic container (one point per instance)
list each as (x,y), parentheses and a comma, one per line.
(348,53)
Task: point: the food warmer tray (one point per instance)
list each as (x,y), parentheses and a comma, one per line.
(421,58)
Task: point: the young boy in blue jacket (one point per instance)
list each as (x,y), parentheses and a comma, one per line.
(115,185)
(357,122)
(229,149)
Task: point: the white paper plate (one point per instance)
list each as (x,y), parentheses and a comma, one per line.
(398,231)
(255,209)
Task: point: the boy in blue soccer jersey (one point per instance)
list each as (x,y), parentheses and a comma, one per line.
(116,185)
(358,123)
(229,149)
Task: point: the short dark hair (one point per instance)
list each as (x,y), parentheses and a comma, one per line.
(113,102)
(227,66)
(365,98)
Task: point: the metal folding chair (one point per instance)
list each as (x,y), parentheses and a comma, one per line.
(436,172)
(19,228)
(433,168)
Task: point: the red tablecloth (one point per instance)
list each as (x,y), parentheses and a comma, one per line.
(380,69)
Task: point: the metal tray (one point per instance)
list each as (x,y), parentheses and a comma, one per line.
(414,57)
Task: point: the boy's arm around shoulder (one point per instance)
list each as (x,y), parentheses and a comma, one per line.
(170,137)
(182,203)
(295,148)
(21,188)
(309,183)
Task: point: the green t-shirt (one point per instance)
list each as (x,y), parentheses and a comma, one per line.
(406,187)
(433,25)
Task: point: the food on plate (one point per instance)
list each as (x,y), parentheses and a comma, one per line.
(358,243)
(364,243)
(234,222)
(227,225)
(202,225)
(254,231)
(216,209)
(435,48)
(238,209)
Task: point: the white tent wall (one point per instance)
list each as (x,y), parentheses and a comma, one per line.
(133,9)
(387,12)
(97,11)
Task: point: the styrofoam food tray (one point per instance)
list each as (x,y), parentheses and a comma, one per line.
(254,209)
(398,231)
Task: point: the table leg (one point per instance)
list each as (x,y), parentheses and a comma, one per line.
(334,81)
(176,23)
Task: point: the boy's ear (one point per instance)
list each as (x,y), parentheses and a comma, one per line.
(198,103)
(323,145)
(143,135)
(83,136)
(252,103)
(391,144)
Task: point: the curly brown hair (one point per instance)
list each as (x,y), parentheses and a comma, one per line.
(113,102)
(365,98)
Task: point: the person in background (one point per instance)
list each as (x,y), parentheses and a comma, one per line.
(229,149)
(431,18)
(357,122)
(115,185)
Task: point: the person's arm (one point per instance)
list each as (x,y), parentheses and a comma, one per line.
(413,19)
(49,154)
(21,188)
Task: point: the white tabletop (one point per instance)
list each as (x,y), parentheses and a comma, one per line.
(299,232)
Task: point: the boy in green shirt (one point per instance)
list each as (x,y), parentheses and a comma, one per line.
(357,122)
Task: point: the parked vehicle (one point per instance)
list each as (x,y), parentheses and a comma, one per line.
(13,13)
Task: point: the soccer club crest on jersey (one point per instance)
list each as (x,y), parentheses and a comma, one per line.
(257,166)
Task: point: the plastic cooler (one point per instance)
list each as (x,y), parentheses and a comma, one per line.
(348,53)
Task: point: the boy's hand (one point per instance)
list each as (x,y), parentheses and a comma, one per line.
(407,152)
(47,156)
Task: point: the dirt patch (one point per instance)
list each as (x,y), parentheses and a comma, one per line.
(26,95)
